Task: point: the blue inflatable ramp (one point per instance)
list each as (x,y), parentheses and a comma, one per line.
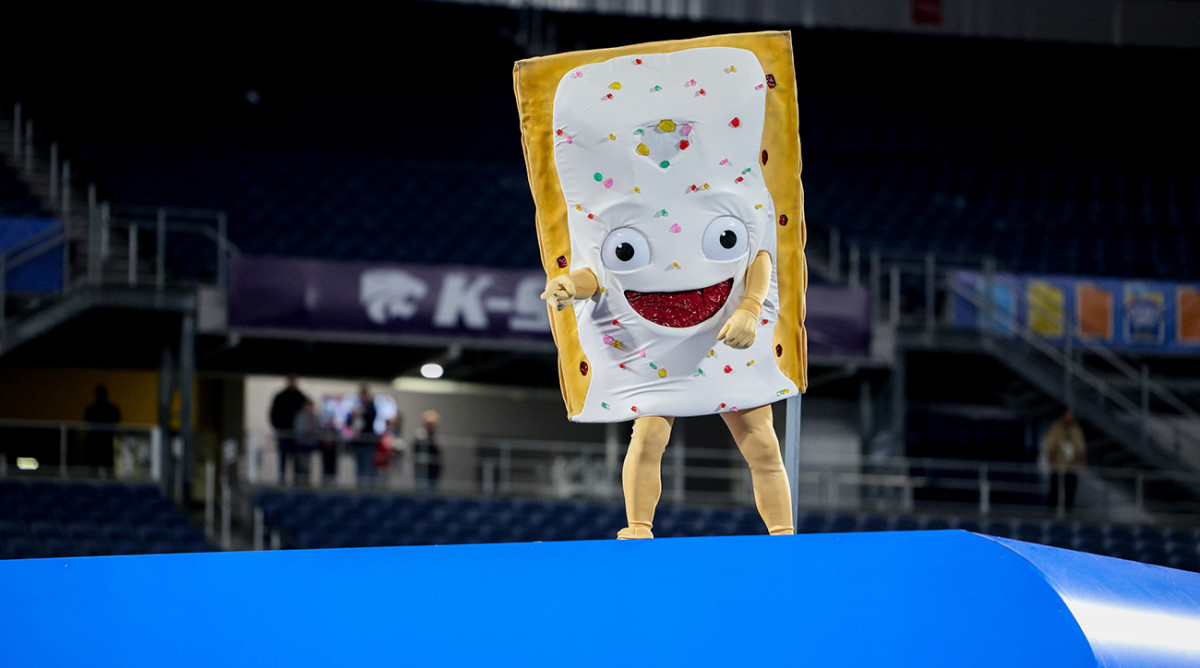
(925,599)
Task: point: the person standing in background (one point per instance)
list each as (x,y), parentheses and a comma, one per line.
(284,408)
(1066,453)
(99,442)
(362,421)
(307,430)
(427,456)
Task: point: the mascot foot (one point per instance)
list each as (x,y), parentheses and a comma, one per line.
(634,532)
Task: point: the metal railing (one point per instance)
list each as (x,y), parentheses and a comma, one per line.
(915,292)
(720,477)
(73,450)
(110,246)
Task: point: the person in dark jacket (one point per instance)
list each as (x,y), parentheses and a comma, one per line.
(284,408)
(362,421)
(103,414)
(427,456)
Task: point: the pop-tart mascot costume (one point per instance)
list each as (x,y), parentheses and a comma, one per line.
(669,216)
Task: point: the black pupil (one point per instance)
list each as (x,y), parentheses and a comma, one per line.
(625,252)
(728,239)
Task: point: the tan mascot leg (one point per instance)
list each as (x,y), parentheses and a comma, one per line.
(641,476)
(754,431)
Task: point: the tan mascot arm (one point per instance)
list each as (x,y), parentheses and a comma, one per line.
(579,284)
(739,331)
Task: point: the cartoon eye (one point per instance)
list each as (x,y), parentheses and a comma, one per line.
(625,249)
(725,239)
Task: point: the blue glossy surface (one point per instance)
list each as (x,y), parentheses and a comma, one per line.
(897,599)
(1133,614)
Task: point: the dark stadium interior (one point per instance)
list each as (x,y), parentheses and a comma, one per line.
(350,136)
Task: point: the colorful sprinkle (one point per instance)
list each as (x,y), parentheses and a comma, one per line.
(683,144)
(712,353)
(604,405)
(591,216)
(764,321)
(750,363)
(733,408)
(598,176)
(666,125)
(764,156)
(722,406)
(675,228)
(578,207)
(770,81)
(735,122)
(633,408)
(578,74)
(657,88)
(758,206)
(724,161)
(662,373)
(642,353)
(562,261)
(664,164)
(702,92)
(583,368)
(608,183)
(608,340)
(570,139)
(738,180)
(558,132)
(652,366)
(637,61)
(778,350)
(731,69)
(612,137)
(662,212)
(692,187)
(637,189)
(783,219)
(687,129)
(616,323)
(758,87)
(706,186)
(728,369)
(638,131)
(642,149)
(746,170)
(616,85)
(608,97)
(622,365)
(690,83)
(675,265)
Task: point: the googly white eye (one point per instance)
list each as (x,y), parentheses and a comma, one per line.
(725,239)
(625,249)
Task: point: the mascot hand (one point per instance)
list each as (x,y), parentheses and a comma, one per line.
(739,330)
(560,292)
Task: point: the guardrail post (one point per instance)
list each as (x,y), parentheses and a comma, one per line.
(65,206)
(835,255)
(53,167)
(855,270)
(985,492)
(259,529)
(62,450)
(210,500)
(133,254)
(28,146)
(160,250)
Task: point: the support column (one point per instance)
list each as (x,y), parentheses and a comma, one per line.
(791,450)
(187,375)
(166,373)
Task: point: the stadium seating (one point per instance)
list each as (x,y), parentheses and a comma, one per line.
(48,519)
(311,520)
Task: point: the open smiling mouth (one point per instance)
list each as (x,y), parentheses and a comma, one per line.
(680,309)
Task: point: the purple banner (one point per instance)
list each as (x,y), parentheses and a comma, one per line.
(460,302)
